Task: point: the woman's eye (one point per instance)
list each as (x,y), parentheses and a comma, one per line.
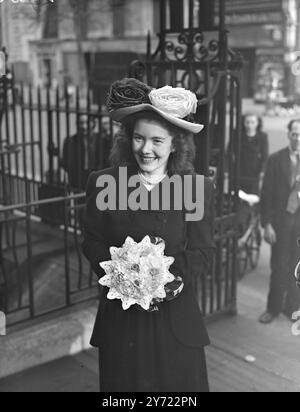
(137,138)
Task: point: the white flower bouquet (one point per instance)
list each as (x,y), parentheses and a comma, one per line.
(138,273)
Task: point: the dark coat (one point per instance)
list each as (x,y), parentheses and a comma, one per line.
(254,154)
(276,189)
(284,295)
(253,160)
(73,157)
(191,243)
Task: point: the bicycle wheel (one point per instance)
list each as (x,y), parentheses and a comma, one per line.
(254,244)
(242,261)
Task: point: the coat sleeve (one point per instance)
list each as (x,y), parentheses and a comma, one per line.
(264,151)
(94,246)
(197,257)
(268,194)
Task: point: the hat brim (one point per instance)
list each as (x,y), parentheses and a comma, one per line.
(120,115)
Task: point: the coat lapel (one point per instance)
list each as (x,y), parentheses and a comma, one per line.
(286,166)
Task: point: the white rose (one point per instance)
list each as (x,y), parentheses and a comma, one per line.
(176,101)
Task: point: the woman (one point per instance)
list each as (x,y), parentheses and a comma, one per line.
(157,350)
(254,153)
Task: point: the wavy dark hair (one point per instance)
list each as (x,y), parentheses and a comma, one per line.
(259,120)
(181,161)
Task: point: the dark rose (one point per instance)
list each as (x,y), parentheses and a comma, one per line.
(127,93)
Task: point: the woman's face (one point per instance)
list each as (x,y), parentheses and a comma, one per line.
(294,137)
(251,124)
(152,145)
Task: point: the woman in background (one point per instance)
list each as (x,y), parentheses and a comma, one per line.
(254,153)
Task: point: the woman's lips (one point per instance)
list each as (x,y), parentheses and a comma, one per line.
(147,160)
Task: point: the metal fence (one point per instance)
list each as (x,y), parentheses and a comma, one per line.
(42,197)
(41,266)
(40,142)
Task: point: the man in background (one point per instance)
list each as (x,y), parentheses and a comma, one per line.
(81,153)
(280,203)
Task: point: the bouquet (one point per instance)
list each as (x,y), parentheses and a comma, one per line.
(138,274)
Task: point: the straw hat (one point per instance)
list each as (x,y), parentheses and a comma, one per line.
(174,104)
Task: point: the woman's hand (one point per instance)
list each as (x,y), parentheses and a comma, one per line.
(173,290)
(270,235)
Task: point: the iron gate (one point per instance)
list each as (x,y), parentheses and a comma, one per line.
(41,265)
(197,58)
(38,205)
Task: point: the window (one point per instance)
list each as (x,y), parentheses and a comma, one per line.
(118,7)
(206,13)
(51,22)
(176,15)
(156,16)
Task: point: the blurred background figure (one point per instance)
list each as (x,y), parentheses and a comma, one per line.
(280,217)
(273,91)
(254,153)
(80,153)
(107,132)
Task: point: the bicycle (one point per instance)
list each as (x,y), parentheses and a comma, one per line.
(250,236)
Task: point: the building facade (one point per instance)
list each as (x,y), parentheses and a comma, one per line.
(266,32)
(108,34)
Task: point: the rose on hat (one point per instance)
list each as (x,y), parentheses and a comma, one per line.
(175,104)
(126,93)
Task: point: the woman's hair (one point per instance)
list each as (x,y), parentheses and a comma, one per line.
(259,120)
(181,161)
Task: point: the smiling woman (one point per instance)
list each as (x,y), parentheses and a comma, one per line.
(149,148)
(152,146)
(159,350)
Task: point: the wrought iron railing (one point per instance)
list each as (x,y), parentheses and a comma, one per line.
(42,268)
(36,124)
